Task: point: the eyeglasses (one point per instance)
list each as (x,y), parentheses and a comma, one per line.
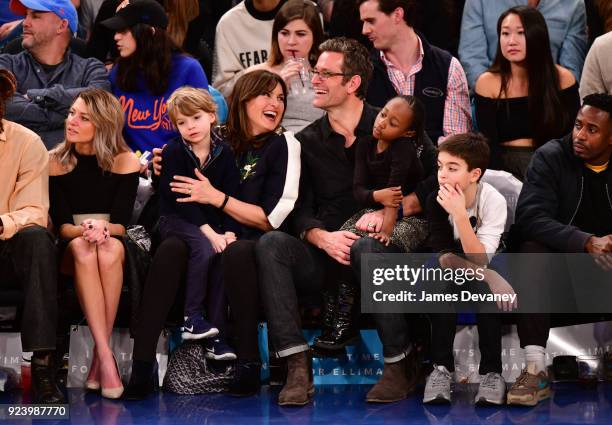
(324,75)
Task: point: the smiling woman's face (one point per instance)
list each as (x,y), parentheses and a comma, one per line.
(265,111)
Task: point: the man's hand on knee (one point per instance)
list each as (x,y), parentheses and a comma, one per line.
(336,244)
(370,222)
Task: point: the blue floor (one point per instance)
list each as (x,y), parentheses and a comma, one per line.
(340,404)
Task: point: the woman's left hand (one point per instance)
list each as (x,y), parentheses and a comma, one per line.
(200,190)
(95,231)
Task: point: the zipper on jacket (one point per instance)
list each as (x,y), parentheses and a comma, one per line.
(608,193)
(580,199)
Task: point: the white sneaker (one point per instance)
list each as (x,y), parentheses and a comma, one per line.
(438,386)
(492,390)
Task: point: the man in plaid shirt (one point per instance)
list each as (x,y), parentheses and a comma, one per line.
(406,64)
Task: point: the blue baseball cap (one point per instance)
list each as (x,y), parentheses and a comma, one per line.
(62,8)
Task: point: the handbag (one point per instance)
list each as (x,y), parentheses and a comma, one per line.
(190,372)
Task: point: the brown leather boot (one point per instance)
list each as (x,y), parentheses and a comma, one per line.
(298,387)
(398,380)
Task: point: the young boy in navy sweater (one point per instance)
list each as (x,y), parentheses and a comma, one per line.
(204,228)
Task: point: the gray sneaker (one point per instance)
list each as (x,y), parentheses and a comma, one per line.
(438,386)
(492,390)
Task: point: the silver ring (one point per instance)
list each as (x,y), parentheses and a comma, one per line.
(370,225)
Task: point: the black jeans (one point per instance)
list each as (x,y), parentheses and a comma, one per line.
(288,268)
(443,326)
(31,257)
(393,328)
(533,329)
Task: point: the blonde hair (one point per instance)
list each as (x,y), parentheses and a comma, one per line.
(188,101)
(180,14)
(107,117)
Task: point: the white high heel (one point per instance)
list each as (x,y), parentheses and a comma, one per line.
(113,393)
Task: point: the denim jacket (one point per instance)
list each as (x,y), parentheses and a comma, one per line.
(566,21)
(42,101)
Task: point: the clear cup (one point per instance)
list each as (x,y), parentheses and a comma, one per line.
(589,370)
(300,83)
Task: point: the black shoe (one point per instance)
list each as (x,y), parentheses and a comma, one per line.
(330,305)
(144,381)
(344,331)
(44,388)
(247,380)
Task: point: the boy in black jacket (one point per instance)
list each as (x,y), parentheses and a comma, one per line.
(204,228)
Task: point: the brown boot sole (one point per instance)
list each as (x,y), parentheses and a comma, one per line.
(309,395)
(386,400)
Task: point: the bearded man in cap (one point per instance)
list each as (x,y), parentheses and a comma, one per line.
(49,76)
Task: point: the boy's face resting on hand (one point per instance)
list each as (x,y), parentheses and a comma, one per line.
(453,171)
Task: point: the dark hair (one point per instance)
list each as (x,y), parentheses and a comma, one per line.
(249,86)
(418,113)
(291,11)
(356,61)
(8,85)
(471,147)
(152,60)
(388,6)
(601,101)
(546,112)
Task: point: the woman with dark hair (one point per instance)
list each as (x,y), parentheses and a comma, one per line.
(269,165)
(92,188)
(296,34)
(524,99)
(150,67)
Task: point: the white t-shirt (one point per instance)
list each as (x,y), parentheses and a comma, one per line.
(241,41)
(490,211)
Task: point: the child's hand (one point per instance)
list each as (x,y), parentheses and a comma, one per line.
(229,237)
(452,199)
(390,197)
(382,237)
(217,241)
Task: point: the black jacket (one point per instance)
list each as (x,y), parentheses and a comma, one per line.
(550,198)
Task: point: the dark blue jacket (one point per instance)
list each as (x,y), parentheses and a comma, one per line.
(220,169)
(430,85)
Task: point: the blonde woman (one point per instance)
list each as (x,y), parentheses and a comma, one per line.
(92,185)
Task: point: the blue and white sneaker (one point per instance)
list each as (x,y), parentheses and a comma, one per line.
(217,349)
(195,327)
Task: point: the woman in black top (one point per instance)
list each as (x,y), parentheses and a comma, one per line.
(269,165)
(524,99)
(92,187)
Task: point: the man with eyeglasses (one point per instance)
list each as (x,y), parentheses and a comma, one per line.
(319,256)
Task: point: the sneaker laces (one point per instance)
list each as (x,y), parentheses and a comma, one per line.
(490,380)
(439,378)
(522,380)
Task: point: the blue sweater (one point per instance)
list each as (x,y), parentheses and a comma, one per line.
(147,124)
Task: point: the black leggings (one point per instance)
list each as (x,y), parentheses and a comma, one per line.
(165,278)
